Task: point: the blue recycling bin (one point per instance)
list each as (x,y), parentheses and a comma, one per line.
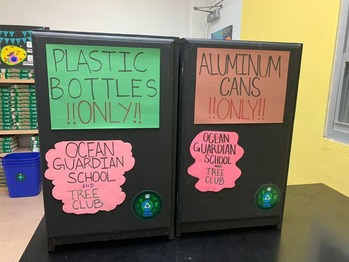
(22,172)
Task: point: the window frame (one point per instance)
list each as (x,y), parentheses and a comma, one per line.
(336,130)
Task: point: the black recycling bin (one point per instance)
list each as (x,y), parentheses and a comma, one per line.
(107,109)
(236,111)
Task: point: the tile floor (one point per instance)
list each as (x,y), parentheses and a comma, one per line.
(19,218)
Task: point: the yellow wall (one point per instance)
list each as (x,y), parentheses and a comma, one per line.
(314,159)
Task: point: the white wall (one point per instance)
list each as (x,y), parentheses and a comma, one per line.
(230,15)
(154,17)
(198,22)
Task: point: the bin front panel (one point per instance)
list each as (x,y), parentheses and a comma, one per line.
(107,113)
(237,106)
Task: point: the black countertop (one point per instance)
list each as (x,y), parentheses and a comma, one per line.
(315,228)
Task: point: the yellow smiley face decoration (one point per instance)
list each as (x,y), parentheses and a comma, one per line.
(12,55)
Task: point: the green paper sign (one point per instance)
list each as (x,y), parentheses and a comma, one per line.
(99,87)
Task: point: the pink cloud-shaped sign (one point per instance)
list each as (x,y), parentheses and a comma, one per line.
(215,154)
(87,175)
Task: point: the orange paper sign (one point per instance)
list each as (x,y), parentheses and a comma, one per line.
(240,86)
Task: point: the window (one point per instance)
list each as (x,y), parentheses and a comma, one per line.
(337,127)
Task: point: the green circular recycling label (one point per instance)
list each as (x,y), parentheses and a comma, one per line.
(20,177)
(147,204)
(267,196)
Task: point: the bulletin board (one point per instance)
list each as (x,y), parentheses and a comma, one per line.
(16,50)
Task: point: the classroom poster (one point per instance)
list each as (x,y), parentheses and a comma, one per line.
(225,33)
(99,87)
(240,86)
